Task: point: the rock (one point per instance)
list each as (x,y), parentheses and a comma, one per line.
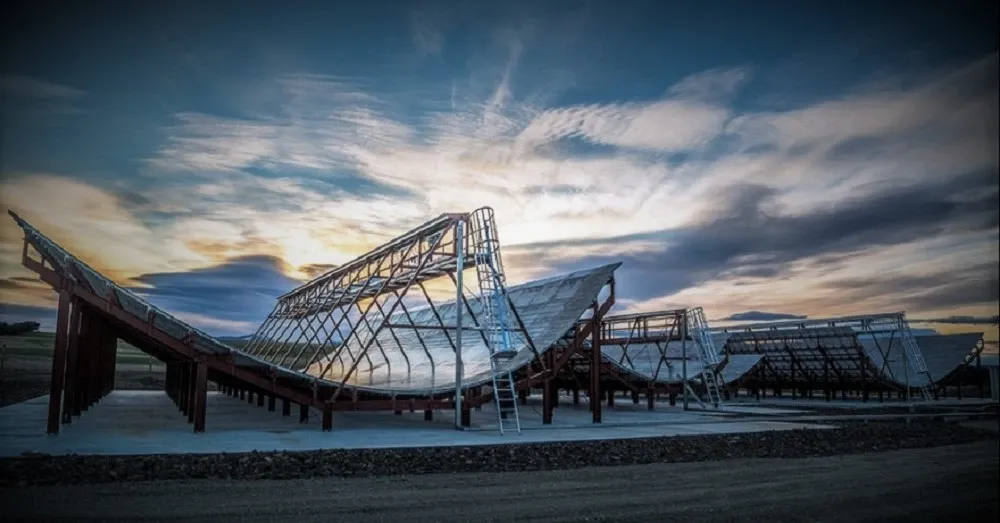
(850,437)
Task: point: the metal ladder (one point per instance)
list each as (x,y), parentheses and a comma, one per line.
(708,356)
(916,360)
(496,315)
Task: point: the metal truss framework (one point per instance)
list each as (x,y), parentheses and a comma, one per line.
(803,360)
(316,325)
(644,350)
(93,308)
(638,353)
(865,353)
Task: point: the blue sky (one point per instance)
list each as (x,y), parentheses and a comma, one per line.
(783,157)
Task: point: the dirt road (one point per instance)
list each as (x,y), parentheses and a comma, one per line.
(958,483)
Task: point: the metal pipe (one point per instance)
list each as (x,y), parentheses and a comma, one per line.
(460,254)
(684,359)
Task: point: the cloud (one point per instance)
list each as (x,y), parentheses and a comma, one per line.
(31,103)
(977,284)
(15,312)
(761,316)
(425,23)
(231,298)
(808,190)
(689,117)
(28,291)
(91,222)
(959,320)
(745,236)
(27,87)
(707,201)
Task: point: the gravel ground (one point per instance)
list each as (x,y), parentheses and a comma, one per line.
(809,410)
(949,483)
(851,438)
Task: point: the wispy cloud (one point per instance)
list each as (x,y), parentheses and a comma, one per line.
(858,201)
(760,316)
(839,176)
(28,87)
(425,23)
(690,116)
(92,222)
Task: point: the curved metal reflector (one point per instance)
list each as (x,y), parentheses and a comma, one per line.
(547,307)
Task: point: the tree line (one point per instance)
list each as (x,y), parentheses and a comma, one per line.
(21,327)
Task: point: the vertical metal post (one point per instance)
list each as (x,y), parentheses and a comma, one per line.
(69,392)
(595,364)
(460,267)
(684,359)
(59,363)
(200,395)
(906,369)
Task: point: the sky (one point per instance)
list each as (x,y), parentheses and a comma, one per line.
(760,160)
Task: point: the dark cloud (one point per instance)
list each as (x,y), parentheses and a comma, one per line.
(761,316)
(10,284)
(976,284)
(756,272)
(857,147)
(958,320)
(13,313)
(961,293)
(24,286)
(242,289)
(742,236)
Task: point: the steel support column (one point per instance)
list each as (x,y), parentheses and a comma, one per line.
(85,347)
(183,387)
(192,399)
(548,391)
(466,409)
(200,395)
(595,366)
(72,349)
(59,363)
(327,418)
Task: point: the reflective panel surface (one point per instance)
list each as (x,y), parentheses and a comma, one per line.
(423,359)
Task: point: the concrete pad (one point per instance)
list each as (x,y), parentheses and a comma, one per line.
(855,403)
(147,422)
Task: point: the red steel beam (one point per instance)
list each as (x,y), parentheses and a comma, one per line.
(162,338)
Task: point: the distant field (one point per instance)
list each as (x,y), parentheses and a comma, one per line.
(42,345)
(26,365)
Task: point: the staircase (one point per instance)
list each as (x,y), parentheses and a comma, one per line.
(708,355)
(496,316)
(916,361)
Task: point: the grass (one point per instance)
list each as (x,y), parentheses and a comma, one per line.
(42,345)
